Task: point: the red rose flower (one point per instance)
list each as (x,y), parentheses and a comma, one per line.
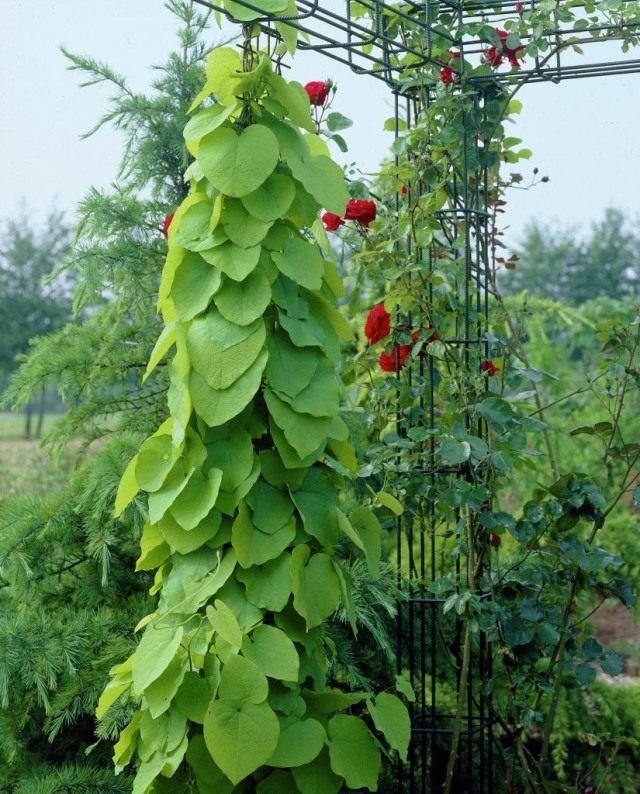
(446,75)
(166,224)
(495,539)
(332,222)
(318,92)
(361,210)
(387,361)
(378,324)
(495,58)
(489,367)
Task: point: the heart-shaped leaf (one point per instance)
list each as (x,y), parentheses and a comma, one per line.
(238,164)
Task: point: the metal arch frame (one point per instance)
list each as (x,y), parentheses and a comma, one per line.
(424,638)
(342,38)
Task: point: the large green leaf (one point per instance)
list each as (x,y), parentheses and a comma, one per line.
(161,692)
(240,729)
(162,499)
(269,585)
(324,179)
(275,473)
(193,696)
(322,395)
(196,500)
(305,332)
(391,718)
(183,541)
(240,737)
(302,262)
(247,614)
(304,432)
(230,449)
(242,303)
(293,146)
(222,351)
(232,260)
(316,500)
(192,225)
(209,776)
(294,99)
(209,119)
(272,199)
(367,526)
(317,777)
(316,587)
(225,624)
(287,453)
(194,284)
(242,682)
(353,752)
(300,742)
(155,652)
(242,228)
(271,507)
(273,652)
(218,406)
(236,165)
(290,369)
(154,462)
(254,547)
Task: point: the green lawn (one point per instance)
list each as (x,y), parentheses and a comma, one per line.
(12,425)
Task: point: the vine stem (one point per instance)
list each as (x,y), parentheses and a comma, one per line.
(464,671)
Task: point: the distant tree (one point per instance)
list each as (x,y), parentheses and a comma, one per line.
(563,264)
(33,301)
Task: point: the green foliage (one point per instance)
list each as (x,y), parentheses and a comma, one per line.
(241,467)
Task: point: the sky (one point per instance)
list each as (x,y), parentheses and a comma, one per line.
(583,133)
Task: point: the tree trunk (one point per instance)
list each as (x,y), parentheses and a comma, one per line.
(41,407)
(27,424)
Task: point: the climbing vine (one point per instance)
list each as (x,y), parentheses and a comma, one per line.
(243,505)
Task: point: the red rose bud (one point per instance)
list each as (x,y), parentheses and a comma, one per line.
(489,367)
(434,336)
(166,224)
(361,210)
(332,222)
(403,190)
(387,361)
(378,324)
(446,75)
(496,540)
(519,8)
(318,92)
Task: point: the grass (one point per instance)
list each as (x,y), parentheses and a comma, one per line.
(25,467)
(12,425)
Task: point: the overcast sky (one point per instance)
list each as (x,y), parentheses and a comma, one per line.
(584,133)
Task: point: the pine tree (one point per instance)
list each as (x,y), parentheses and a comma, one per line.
(69,594)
